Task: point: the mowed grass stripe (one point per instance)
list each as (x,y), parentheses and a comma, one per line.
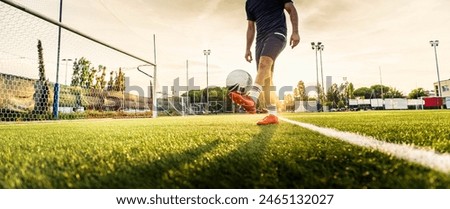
(195,152)
(427,158)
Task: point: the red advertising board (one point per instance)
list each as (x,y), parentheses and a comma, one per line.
(433,101)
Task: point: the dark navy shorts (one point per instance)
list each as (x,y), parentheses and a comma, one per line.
(271,46)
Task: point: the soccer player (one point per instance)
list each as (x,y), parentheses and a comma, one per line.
(267,20)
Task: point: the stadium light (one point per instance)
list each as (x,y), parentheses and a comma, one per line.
(318,47)
(435,44)
(66,60)
(207,53)
(321,48)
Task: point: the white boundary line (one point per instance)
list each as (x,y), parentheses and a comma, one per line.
(427,158)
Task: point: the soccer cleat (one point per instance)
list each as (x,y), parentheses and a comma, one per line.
(268,120)
(244,101)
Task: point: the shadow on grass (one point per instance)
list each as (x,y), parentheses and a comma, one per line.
(155,174)
(240,168)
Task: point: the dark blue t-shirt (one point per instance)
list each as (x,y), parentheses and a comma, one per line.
(268,15)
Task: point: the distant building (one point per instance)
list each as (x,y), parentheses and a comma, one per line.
(430,93)
(329,83)
(445,85)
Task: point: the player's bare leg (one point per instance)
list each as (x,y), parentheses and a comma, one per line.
(262,84)
(265,77)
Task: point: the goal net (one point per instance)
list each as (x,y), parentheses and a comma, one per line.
(46,74)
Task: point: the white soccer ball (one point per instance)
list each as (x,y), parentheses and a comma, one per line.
(239,81)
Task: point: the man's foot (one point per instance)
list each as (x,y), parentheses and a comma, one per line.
(244,101)
(268,120)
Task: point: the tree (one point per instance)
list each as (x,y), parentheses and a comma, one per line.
(350,91)
(289,102)
(122,80)
(333,95)
(195,96)
(84,65)
(341,104)
(343,92)
(41,61)
(91,78)
(379,91)
(119,81)
(86,76)
(75,74)
(42,89)
(300,93)
(81,73)
(110,85)
(363,92)
(417,93)
(321,95)
(101,80)
(213,95)
(100,84)
(394,93)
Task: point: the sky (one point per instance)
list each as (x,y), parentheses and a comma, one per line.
(367,42)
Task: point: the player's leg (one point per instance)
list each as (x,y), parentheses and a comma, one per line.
(266,72)
(254,96)
(266,54)
(262,84)
(263,78)
(272,100)
(262,104)
(273,47)
(262,107)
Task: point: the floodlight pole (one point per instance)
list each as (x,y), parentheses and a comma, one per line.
(155,98)
(66,60)
(321,48)
(187,88)
(207,53)
(316,48)
(56,89)
(381,83)
(435,44)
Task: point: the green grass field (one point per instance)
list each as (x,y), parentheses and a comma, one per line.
(219,152)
